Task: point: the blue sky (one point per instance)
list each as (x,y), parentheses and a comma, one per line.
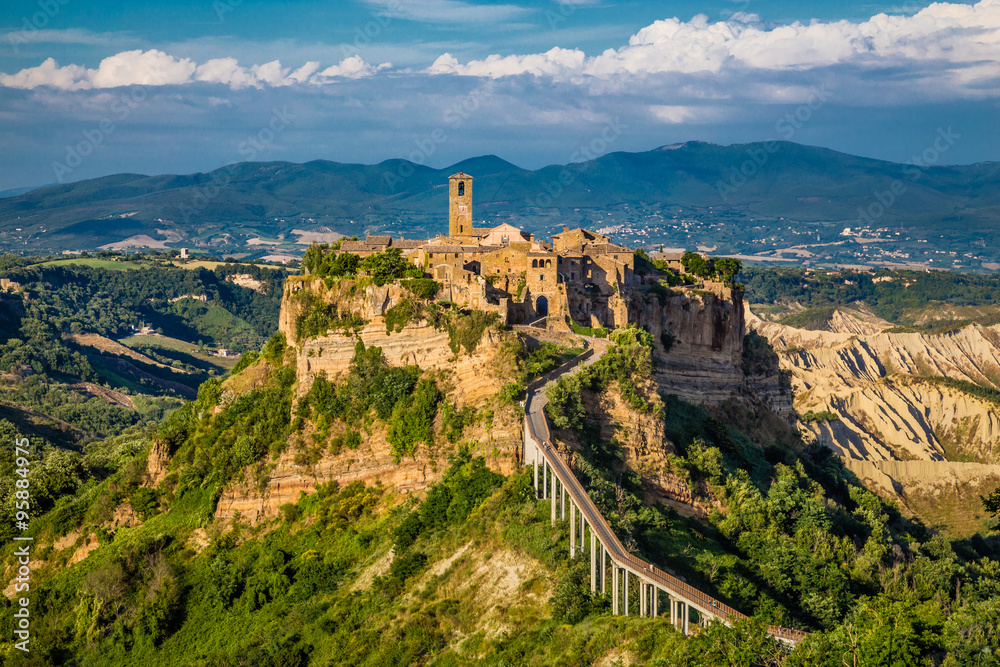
(92,88)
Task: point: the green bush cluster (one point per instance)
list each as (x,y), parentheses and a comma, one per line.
(630,359)
(396,395)
(315,317)
(821,416)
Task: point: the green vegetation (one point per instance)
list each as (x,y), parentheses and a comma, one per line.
(759,358)
(382,267)
(988,394)
(316,316)
(626,363)
(792,539)
(822,416)
(421,288)
(596,332)
(911,299)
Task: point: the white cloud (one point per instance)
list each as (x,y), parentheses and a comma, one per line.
(145,68)
(156,68)
(551,63)
(957,45)
(226,71)
(447,11)
(350,68)
(942,52)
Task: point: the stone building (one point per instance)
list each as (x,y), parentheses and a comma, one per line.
(580,277)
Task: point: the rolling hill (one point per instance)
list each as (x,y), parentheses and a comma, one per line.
(688,194)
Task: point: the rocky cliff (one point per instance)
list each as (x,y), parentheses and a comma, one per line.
(467,378)
(882,389)
(698,338)
(929,446)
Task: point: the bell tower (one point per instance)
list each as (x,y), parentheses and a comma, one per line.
(459,204)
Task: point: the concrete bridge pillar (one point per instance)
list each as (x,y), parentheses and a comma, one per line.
(626,590)
(572,530)
(593,562)
(656,601)
(604,571)
(562,502)
(614,589)
(534,463)
(554,480)
(642,598)
(545,478)
(679,615)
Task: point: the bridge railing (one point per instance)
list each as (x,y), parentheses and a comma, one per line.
(615,548)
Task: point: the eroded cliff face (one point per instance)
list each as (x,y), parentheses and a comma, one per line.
(467,379)
(877,384)
(706,327)
(499,439)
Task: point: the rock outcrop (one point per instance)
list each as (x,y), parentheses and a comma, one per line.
(881,389)
(704,331)
(468,379)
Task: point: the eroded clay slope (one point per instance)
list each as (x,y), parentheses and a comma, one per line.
(878,386)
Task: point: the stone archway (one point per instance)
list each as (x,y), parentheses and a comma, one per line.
(542,306)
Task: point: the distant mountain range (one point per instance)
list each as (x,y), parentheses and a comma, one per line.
(741,183)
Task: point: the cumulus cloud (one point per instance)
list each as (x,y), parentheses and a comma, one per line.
(943,51)
(156,68)
(551,63)
(350,68)
(957,45)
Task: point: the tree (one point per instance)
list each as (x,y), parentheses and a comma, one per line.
(696,265)
(389,265)
(991,503)
(728,268)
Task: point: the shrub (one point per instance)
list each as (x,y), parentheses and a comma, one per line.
(413,419)
(421,288)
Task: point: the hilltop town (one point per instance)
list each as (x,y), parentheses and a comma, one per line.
(581,277)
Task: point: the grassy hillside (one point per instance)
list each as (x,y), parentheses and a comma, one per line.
(62,357)
(676,195)
(471,572)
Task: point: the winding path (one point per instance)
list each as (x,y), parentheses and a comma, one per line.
(551,473)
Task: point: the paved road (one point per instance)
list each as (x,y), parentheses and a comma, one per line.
(538,429)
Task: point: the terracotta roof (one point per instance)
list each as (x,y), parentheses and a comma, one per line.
(354,246)
(408,244)
(378,240)
(444,248)
(460,174)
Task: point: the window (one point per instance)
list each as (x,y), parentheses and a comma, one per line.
(548,263)
(572,276)
(461,188)
(541,277)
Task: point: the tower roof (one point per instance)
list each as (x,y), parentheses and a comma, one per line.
(462,175)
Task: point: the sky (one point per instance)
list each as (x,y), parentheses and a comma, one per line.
(95,87)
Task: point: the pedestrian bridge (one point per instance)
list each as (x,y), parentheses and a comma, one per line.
(611,565)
